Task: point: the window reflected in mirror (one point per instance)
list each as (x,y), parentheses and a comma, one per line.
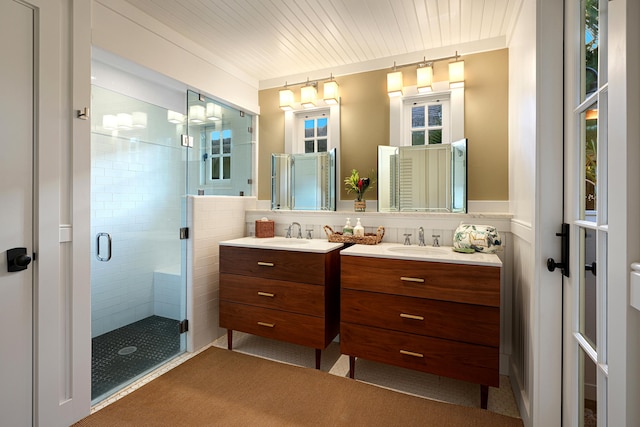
(423,178)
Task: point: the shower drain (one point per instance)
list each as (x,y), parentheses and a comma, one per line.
(127,350)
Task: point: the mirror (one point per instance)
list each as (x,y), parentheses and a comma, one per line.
(425,178)
(304,182)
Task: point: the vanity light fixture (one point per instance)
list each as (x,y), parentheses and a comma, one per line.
(139,119)
(286,99)
(175,117)
(394,82)
(125,121)
(196,114)
(214,111)
(330,92)
(456,73)
(109,122)
(424,76)
(308,95)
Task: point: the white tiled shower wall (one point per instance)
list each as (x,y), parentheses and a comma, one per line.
(135,197)
(212,220)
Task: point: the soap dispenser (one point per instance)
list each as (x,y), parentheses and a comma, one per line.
(348,229)
(358,230)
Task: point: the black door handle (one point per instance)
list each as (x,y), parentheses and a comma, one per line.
(17,259)
(552,264)
(564,264)
(591,267)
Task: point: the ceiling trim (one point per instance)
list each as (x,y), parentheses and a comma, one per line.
(468,48)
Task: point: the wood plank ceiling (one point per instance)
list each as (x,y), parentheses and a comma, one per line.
(270,39)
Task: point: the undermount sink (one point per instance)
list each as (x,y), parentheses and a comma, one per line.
(280,242)
(420,250)
(283,244)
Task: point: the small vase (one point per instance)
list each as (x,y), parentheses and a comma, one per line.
(359,205)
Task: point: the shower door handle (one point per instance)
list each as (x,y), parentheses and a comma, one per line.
(98,251)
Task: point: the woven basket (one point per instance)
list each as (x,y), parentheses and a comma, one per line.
(367,239)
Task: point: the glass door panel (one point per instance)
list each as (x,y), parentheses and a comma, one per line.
(586,165)
(589,125)
(588,291)
(588,391)
(138,282)
(222,157)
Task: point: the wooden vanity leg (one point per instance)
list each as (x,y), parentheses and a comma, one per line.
(230,339)
(352,366)
(318,356)
(484,396)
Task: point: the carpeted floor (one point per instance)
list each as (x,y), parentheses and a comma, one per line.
(223,388)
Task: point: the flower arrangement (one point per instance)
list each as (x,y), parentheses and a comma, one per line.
(358,185)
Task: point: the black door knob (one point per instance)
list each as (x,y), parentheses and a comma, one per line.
(22,260)
(17,259)
(552,264)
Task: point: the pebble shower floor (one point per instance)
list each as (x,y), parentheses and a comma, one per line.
(122,355)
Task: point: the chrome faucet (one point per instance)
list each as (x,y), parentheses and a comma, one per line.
(421,236)
(407,239)
(435,240)
(299,230)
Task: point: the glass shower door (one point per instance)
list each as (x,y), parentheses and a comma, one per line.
(138,280)
(222,157)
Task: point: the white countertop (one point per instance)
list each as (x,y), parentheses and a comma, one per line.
(422,253)
(282,243)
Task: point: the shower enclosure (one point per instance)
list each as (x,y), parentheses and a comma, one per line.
(138,278)
(145,161)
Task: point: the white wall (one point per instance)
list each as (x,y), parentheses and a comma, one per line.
(119,28)
(535,196)
(624,205)
(62,350)
(522,152)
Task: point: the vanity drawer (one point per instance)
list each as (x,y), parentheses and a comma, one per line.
(280,325)
(454,321)
(452,359)
(268,293)
(274,264)
(464,283)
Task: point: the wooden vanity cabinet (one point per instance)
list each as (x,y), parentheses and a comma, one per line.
(433,317)
(286,295)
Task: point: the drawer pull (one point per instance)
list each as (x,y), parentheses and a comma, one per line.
(411,353)
(412,279)
(265,264)
(411,316)
(268,325)
(266,294)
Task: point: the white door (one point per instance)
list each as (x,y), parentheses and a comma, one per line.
(16,211)
(585,370)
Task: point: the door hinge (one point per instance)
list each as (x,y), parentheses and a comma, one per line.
(184,326)
(84,114)
(250,129)
(186,141)
(184,233)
